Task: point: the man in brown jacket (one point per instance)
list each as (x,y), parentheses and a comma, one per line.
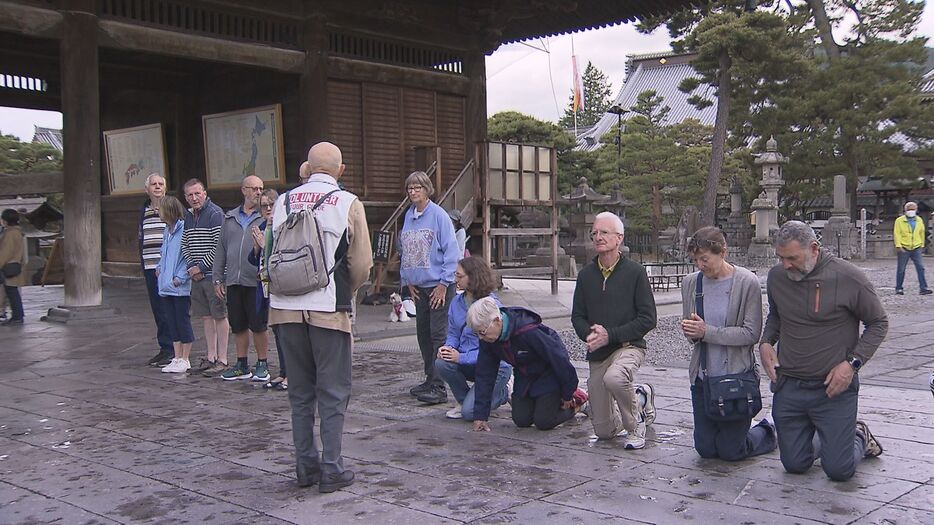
(314,328)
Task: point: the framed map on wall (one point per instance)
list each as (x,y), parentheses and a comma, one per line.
(132,154)
(241,143)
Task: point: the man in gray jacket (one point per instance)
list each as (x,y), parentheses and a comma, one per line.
(236,280)
(816,304)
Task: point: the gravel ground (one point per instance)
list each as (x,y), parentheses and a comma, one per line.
(668,347)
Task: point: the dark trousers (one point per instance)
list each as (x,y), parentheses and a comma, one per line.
(431,327)
(158,314)
(178,313)
(802,407)
(16,302)
(279,350)
(730,441)
(902,265)
(544,412)
(319,362)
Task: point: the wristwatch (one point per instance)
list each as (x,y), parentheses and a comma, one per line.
(855,363)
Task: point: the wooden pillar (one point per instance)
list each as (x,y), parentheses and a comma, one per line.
(313,85)
(82,138)
(475,71)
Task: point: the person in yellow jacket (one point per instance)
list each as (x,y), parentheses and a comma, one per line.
(909,241)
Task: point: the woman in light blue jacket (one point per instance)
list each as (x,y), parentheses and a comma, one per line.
(175,284)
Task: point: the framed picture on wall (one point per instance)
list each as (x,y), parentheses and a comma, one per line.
(241,143)
(132,154)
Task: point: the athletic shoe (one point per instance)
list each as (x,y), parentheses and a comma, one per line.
(647,391)
(873,447)
(420,389)
(203,365)
(216,369)
(165,361)
(454,413)
(159,357)
(237,372)
(926,292)
(932,383)
(333,482)
(261,371)
(178,365)
(435,396)
(636,439)
(899,292)
(509,386)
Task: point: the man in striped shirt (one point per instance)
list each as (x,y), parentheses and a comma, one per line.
(199,244)
(151,229)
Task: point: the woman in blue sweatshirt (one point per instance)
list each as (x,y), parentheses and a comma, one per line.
(457,359)
(175,284)
(429,255)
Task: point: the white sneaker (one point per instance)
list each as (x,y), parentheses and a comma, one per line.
(635,439)
(511,383)
(454,413)
(648,408)
(177,365)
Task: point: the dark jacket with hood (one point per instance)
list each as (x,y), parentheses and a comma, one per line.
(538,357)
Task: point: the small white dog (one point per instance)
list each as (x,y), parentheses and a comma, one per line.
(398,313)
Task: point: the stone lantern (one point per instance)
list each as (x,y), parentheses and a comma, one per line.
(772,176)
(583,198)
(761,245)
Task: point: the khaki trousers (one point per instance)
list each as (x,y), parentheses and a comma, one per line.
(613,402)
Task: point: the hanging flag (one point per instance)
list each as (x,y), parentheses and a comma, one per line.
(578,87)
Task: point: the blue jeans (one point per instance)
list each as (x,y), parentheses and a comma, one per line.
(729,441)
(903,257)
(800,409)
(158,313)
(457,375)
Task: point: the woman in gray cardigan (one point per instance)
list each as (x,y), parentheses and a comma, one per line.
(730,328)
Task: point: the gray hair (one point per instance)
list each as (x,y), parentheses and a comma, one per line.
(151,175)
(620,228)
(795,231)
(482,313)
(911,203)
(421,178)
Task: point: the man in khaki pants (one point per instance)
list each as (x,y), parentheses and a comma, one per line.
(613,310)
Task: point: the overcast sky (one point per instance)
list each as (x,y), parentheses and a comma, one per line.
(519,77)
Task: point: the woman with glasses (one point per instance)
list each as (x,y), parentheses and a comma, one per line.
(730,328)
(457,359)
(262,245)
(429,255)
(545,392)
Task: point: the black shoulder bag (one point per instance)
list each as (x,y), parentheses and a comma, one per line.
(731,397)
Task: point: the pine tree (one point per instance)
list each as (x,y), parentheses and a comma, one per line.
(597,98)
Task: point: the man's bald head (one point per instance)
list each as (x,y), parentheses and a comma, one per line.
(325,157)
(252,188)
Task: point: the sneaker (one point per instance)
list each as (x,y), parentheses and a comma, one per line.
(435,396)
(3,316)
(873,447)
(509,386)
(579,397)
(165,361)
(237,372)
(927,292)
(420,389)
(261,371)
(647,391)
(932,383)
(158,357)
(636,439)
(178,365)
(332,482)
(899,292)
(12,322)
(454,413)
(203,365)
(216,369)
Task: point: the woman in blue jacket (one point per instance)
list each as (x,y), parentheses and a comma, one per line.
(175,284)
(545,392)
(457,359)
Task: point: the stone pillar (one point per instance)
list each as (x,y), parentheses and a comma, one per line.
(839,234)
(82,137)
(761,249)
(737,230)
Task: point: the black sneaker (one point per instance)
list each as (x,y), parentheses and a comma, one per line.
(156,358)
(166,359)
(332,482)
(899,292)
(420,389)
(927,292)
(434,396)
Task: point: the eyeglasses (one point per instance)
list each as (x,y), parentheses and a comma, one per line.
(482,333)
(602,233)
(267,206)
(415,187)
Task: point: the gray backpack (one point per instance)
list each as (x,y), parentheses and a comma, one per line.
(297,263)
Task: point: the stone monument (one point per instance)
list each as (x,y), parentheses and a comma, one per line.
(839,235)
(582,198)
(737,230)
(766,206)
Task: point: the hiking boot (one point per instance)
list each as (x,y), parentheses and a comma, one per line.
(646,394)
(261,371)
(332,482)
(203,365)
(216,369)
(454,413)
(636,439)
(435,396)
(420,389)
(159,357)
(237,371)
(873,447)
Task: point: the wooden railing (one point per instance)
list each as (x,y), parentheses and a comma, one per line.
(461,194)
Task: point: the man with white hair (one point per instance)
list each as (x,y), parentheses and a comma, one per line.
(613,310)
(909,241)
(150,232)
(315,328)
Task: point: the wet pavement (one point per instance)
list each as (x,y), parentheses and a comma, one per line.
(89,434)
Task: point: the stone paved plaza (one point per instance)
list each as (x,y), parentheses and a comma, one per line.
(88,434)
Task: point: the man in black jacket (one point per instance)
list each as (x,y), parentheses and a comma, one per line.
(613,310)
